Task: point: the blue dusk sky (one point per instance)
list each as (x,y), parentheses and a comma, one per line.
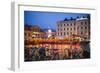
(48,19)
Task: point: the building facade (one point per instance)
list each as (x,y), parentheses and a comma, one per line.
(37,32)
(79,27)
(27,32)
(33,32)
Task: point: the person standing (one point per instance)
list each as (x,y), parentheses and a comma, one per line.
(42,53)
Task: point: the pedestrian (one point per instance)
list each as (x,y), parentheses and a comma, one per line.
(36,56)
(66,54)
(48,54)
(42,53)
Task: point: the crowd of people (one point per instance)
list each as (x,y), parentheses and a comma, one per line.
(45,53)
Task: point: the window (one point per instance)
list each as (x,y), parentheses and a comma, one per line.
(64,28)
(67,24)
(58,25)
(81,33)
(64,24)
(70,28)
(64,33)
(89,27)
(67,33)
(81,27)
(85,27)
(58,33)
(74,28)
(71,24)
(77,28)
(25,34)
(85,22)
(70,33)
(67,28)
(58,29)
(61,33)
(81,23)
(74,24)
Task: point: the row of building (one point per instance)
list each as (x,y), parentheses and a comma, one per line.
(68,27)
(79,27)
(36,32)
